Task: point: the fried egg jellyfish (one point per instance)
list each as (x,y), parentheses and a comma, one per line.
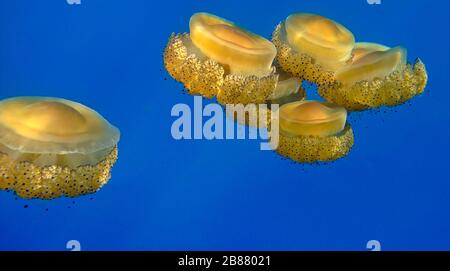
(312,131)
(312,47)
(218,58)
(51,147)
(377,76)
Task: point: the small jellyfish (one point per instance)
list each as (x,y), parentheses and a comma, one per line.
(51,147)
(218,58)
(312,47)
(377,76)
(312,131)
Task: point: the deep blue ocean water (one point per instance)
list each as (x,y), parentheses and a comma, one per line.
(394,186)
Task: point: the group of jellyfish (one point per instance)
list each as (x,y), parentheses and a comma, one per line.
(52,147)
(220,59)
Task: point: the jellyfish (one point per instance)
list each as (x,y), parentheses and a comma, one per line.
(376,76)
(312,47)
(219,58)
(312,131)
(51,147)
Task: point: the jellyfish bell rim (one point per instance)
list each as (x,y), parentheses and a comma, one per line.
(105,138)
(369,47)
(370,60)
(331,125)
(374,48)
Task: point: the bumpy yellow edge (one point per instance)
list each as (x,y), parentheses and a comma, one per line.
(199,76)
(238,89)
(299,64)
(207,78)
(311,149)
(31,181)
(396,88)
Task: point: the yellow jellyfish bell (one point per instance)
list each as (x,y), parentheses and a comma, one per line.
(312,47)
(51,147)
(240,51)
(312,131)
(218,58)
(377,76)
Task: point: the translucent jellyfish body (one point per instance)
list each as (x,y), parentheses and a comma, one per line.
(377,76)
(52,147)
(218,58)
(288,89)
(312,47)
(312,131)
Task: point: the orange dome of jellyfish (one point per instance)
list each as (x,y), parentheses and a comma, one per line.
(312,47)
(52,147)
(218,58)
(312,131)
(377,76)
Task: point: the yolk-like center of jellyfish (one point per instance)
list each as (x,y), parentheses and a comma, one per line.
(325,40)
(372,61)
(329,31)
(234,35)
(52,117)
(312,118)
(240,51)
